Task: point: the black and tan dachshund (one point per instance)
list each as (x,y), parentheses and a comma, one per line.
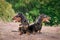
(24,22)
(37,26)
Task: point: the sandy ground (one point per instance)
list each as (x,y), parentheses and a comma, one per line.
(48,33)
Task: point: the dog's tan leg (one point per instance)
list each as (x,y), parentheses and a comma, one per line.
(39,32)
(28,33)
(34,33)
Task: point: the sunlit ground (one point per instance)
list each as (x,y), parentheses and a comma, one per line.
(48,33)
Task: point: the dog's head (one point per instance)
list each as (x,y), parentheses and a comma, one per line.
(18,17)
(45,18)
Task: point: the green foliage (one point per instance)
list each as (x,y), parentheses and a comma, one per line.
(32,8)
(6,11)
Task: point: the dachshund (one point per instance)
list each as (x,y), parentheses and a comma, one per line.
(24,22)
(37,26)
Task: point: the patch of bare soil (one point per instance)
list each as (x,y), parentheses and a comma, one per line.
(48,33)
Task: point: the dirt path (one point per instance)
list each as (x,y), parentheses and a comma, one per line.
(48,33)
